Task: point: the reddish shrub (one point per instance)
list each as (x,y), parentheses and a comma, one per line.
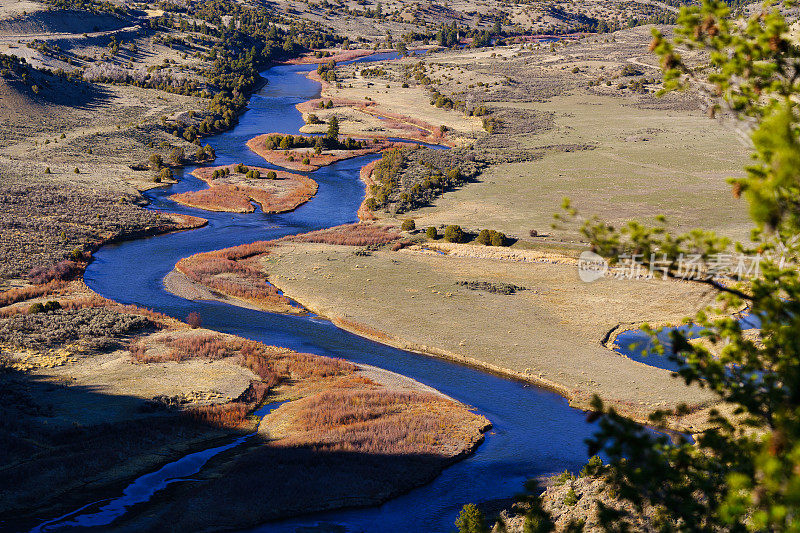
(229,415)
(60,271)
(350,235)
(254,356)
(20,294)
(11,311)
(185,348)
(249,282)
(202,346)
(194,319)
(159,318)
(85,302)
(137,349)
(376,421)
(306,365)
(221,197)
(246,251)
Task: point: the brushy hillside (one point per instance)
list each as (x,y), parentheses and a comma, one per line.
(61,21)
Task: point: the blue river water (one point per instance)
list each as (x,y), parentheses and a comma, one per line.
(639,345)
(534,431)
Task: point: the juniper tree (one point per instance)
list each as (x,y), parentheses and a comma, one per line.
(333,129)
(743,473)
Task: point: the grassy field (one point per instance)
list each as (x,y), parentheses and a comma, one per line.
(549,330)
(578,119)
(550,333)
(638,163)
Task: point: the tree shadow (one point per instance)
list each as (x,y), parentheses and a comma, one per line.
(63,445)
(54,465)
(269,482)
(45,90)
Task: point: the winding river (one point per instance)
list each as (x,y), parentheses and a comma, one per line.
(535,431)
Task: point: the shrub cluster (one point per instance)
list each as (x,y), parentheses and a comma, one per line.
(327,71)
(490,237)
(408,225)
(59,327)
(313,119)
(385,176)
(351,235)
(52,305)
(220,173)
(495,288)
(277,141)
(376,72)
(440,100)
(404,180)
(454,233)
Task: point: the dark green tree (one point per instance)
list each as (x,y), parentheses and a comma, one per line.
(484,237)
(333,129)
(453,233)
(470,520)
(177,156)
(743,473)
(498,238)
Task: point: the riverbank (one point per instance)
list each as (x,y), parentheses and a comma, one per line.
(168,389)
(548,331)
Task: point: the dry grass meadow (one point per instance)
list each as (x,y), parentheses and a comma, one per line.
(613,147)
(236,192)
(96,393)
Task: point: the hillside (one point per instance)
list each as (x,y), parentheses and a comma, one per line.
(59,21)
